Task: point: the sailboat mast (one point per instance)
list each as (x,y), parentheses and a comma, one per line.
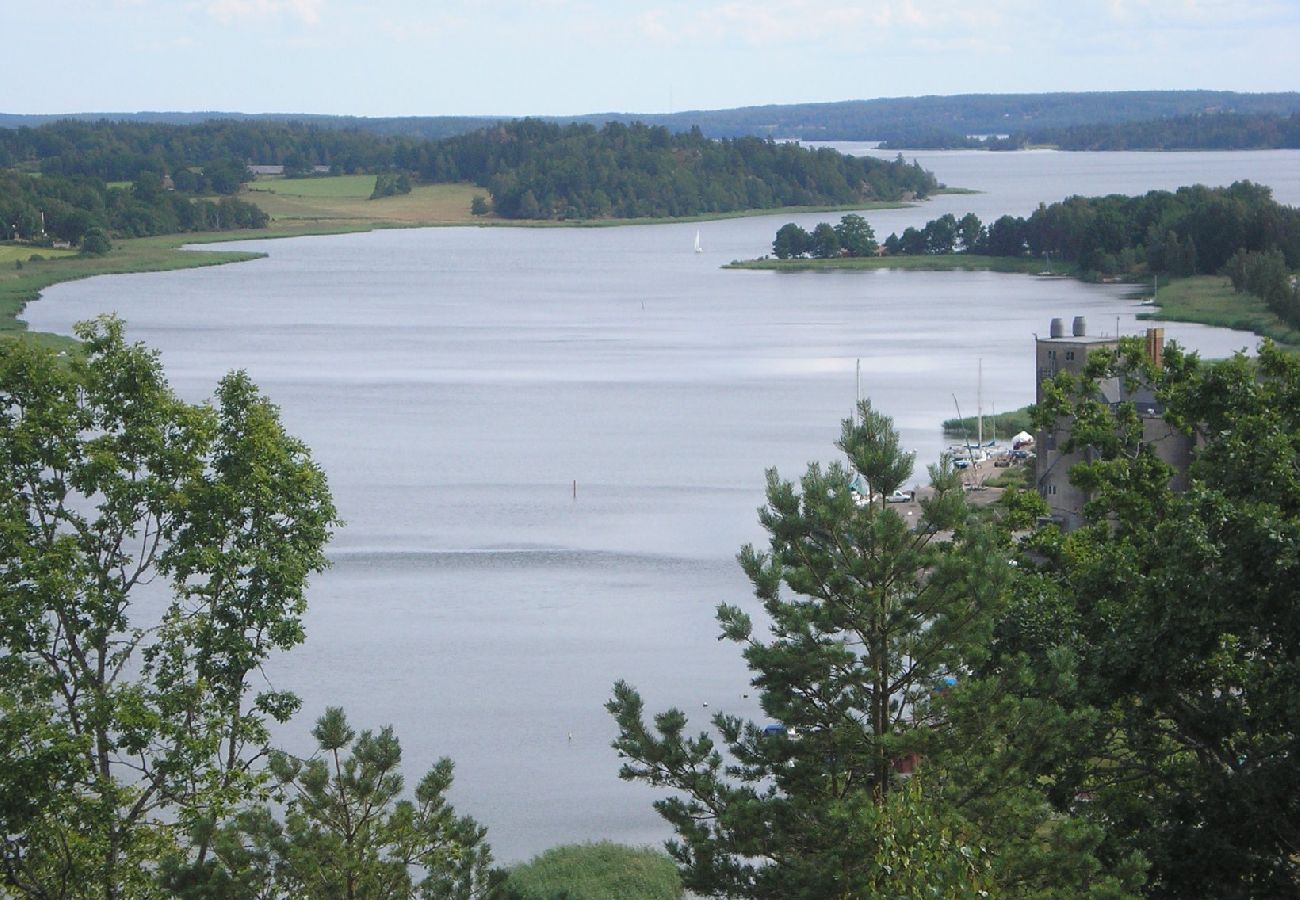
(857,389)
(979,405)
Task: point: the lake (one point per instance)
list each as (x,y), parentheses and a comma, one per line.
(549,444)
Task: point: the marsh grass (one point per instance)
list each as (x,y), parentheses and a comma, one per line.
(1002,424)
(1210,300)
(11,253)
(600,871)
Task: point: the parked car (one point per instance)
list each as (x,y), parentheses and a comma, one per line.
(901,497)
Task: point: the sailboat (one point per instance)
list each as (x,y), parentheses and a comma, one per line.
(698,248)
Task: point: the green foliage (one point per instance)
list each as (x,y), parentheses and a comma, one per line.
(1199,131)
(601,871)
(856,238)
(1003,424)
(825,242)
(880,615)
(95,242)
(121,723)
(78,206)
(390,184)
(345,833)
(1189,231)
(1178,612)
(1266,276)
(534,169)
(479,206)
(791,242)
(852,237)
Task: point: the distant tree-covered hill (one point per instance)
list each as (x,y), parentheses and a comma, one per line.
(1202,131)
(538,169)
(1216,131)
(914,121)
(70,179)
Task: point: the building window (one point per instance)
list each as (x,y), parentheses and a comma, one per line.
(1069,354)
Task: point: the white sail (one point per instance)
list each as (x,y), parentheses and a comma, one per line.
(698,248)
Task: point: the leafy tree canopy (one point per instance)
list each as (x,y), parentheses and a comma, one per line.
(153,554)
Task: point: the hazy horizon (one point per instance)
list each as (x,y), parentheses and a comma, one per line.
(596,112)
(511,58)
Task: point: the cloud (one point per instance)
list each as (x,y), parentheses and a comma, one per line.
(228,11)
(782,22)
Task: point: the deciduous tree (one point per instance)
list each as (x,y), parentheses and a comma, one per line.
(153,554)
(1182,616)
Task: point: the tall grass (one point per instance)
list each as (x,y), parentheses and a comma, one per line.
(1210,300)
(1003,424)
(600,871)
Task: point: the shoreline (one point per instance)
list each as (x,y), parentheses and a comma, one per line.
(27,280)
(1198,299)
(1202,299)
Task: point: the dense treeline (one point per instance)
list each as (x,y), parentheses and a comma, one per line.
(912,121)
(1218,131)
(1192,231)
(85,211)
(533,169)
(539,170)
(121,151)
(1226,131)
(852,237)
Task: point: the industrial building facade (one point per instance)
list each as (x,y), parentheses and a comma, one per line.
(1060,352)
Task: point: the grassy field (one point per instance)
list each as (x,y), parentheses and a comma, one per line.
(1210,300)
(942,263)
(344,201)
(322,188)
(12,253)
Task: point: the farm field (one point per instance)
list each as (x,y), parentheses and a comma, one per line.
(345,200)
(11,253)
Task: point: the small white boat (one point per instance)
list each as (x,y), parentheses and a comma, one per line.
(698,248)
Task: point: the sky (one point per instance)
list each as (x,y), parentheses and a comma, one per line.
(562,57)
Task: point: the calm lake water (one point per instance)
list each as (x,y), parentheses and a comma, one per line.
(457,383)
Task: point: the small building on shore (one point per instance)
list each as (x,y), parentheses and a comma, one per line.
(1060,352)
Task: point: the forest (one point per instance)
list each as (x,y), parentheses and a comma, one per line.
(86,211)
(129,179)
(538,170)
(1200,131)
(1239,231)
(907,120)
